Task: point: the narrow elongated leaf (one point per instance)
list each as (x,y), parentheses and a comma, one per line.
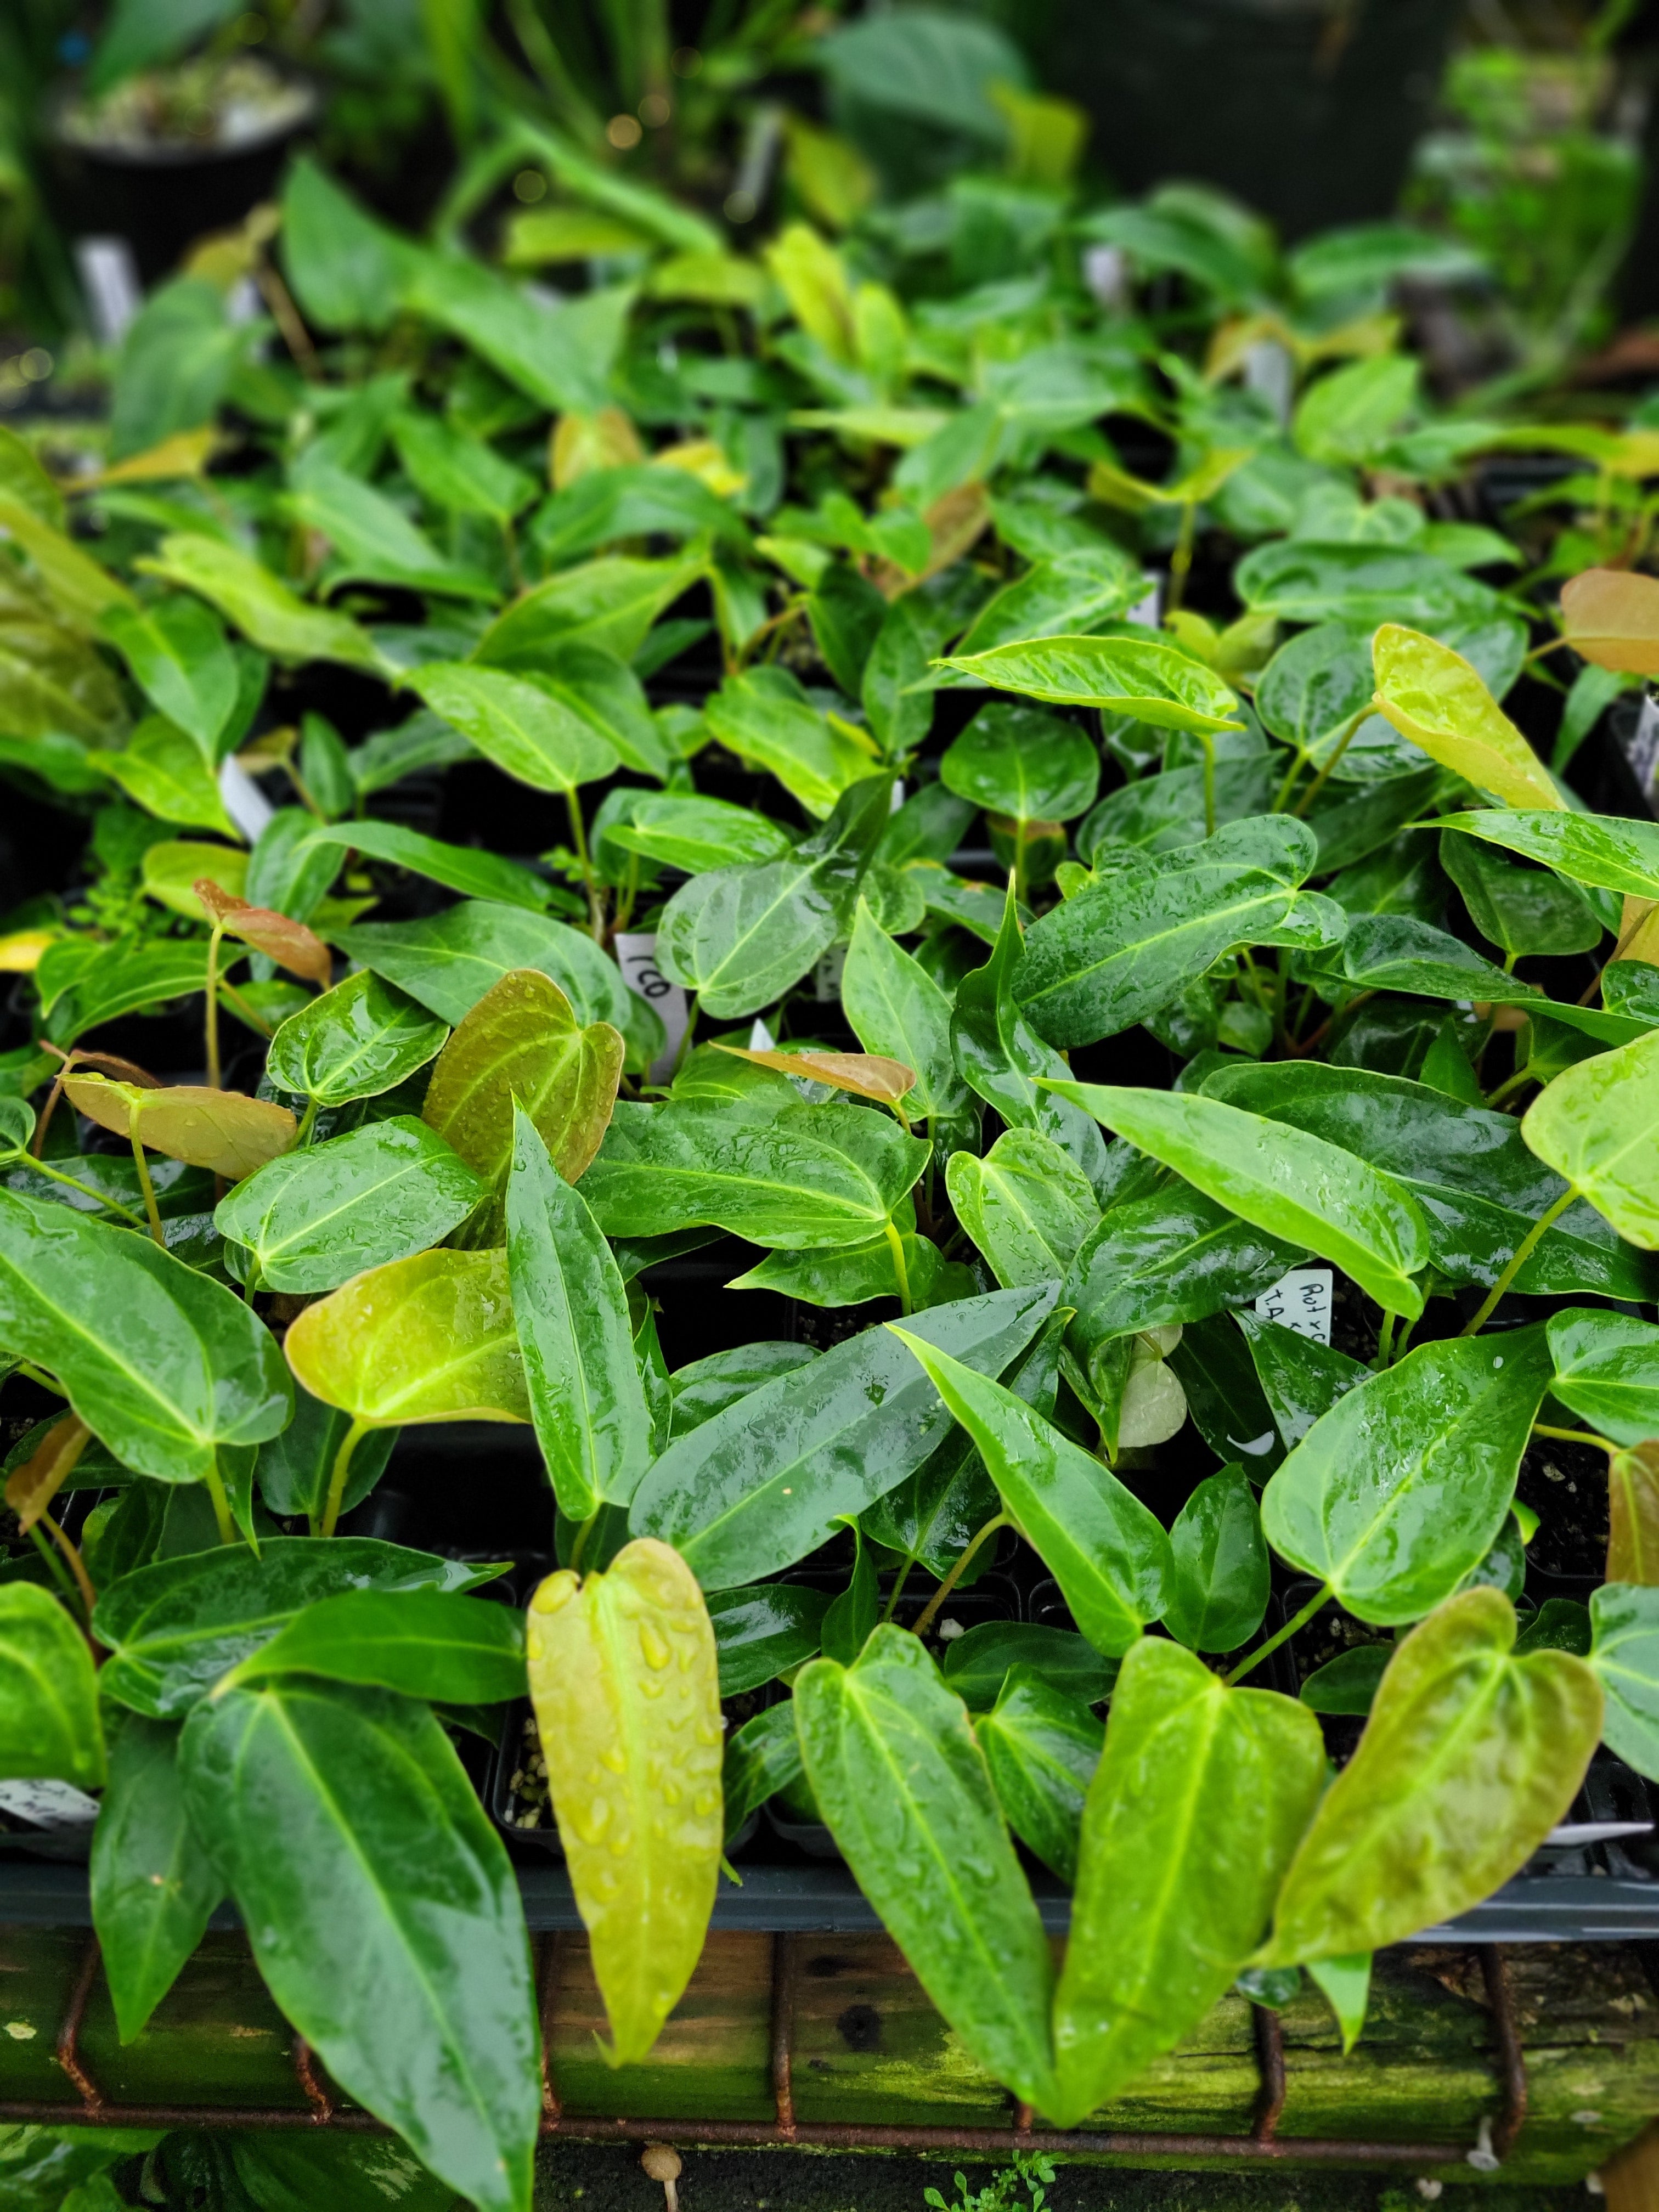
(1026,1204)
(813,1178)
(1595,1125)
(216,1129)
(1625,1659)
(1294,1186)
(154,1888)
(1108,1554)
(896,1008)
(1607,1370)
(1042,1748)
(862,1074)
(424,1643)
(49,1725)
(457,867)
(175,1627)
(1104,960)
(1588,848)
(570,1309)
(1434,697)
(429,1338)
(165,1366)
(761,1484)
(893,1766)
(1402,1487)
(261,606)
(517,724)
(381,1193)
(623,1676)
(1469,1759)
(1218,1597)
(358,1041)
(405,1969)
(1198,1801)
(117,979)
(1150,681)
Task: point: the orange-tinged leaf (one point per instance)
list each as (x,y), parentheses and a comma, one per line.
(1633,1515)
(1611,616)
(31,1487)
(866,1074)
(221,1130)
(288,943)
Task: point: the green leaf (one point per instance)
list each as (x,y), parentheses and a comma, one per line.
(1589,848)
(518,723)
(1595,1125)
(476,875)
(634,501)
(1346,1985)
(460,474)
(437,1644)
(896,1008)
(522,1047)
(293,1470)
(429,1338)
(1301,1377)
(154,1888)
(1402,1487)
(174,1627)
(344,266)
(762,1632)
(1314,685)
(1107,1551)
(1469,1759)
(680,830)
(381,1193)
(761,1484)
(1104,960)
(1067,595)
(163,770)
(449,961)
(1607,1371)
(706,1386)
(1218,1598)
(811,1178)
(1042,1748)
(765,716)
(762,1758)
(1625,1659)
(611,603)
(979,1663)
(570,1309)
(1160,813)
(1347,415)
(903,1787)
(561,355)
(1294,1186)
(165,1366)
(1174,1257)
(1019,761)
(857,1272)
(179,659)
(1026,1204)
(1197,1805)
(1348,1683)
(1154,682)
(1433,697)
(1519,909)
(1301,580)
(623,1675)
(370,537)
(358,1041)
(49,1726)
(349,2173)
(268,614)
(407,1972)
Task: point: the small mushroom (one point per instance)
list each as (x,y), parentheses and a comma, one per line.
(662,2162)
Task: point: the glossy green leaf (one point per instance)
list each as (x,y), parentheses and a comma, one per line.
(1605,852)
(765,716)
(623,1675)
(424,1643)
(813,1178)
(857,1272)
(116,979)
(1347,1684)
(384,1192)
(1198,1803)
(268,614)
(165,1366)
(179,659)
(476,875)
(1396,1492)
(49,1725)
(1110,1555)
(428,1339)
(461,474)
(517,723)
(1625,1659)
(1469,1759)
(1595,1125)
(901,1782)
(1315,685)
(1151,681)
(293,2172)
(1174,1257)
(1218,1598)
(1042,1748)
(406,1971)
(571,1311)
(1065,596)
(1104,960)
(1433,697)
(1302,1378)
(1607,1371)
(292,1470)
(1022,762)
(358,1041)
(174,1627)
(762,1632)
(163,771)
(681,831)
(1301,580)
(1296,1187)
(370,537)
(1026,1204)
(1518,910)
(764,1483)
(706,1386)
(154,1888)
(1160,813)
(897,1008)
(611,602)
(762,1758)
(1346,1985)
(978,1663)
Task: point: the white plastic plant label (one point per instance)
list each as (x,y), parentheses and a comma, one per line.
(636,956)
(1149,611)
(48,1804)
(245,804)
(1643,747)
(109,277)
(1301,1301)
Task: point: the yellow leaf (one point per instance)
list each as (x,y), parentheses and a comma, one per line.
(173,868)
(703,458)
(1431,696)
(78,587)
(582,443)
(1611,616)
(1633,1515)
(813,279)
(866,1074)
(830,174)
(19,952)
(217,1129)
(288,943)
(717,280)
(1046,135)
(186,453)
(624,1681)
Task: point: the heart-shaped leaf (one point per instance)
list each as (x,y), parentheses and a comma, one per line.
(1026,1206)
(517,723)
(1607,1370)
(1042,1748)
(358,1041)
(49,1725)
(1595,1125)
(1625,1659)
(1434,697)
(1142,677)
(220,1130)
(1018,762)
(429,1338)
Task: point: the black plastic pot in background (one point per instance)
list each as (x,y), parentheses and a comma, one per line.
(1306,109)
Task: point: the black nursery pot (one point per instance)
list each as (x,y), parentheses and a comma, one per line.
(1306,109)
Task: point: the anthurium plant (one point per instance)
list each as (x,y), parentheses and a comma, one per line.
(896,770)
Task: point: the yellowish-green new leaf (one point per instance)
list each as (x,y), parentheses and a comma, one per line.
(1434,697)
(1598,1125)
(1611,616)
(626,1687)
(163,771)
(221,1130)
(429,1338)
(79,588)
(260,605)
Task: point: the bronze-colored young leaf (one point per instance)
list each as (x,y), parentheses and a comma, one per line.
(1632,1517)
(221,1130)
(1433,697)
(31,1487)
(626,1687)
(522,1044)
(1470,1757)
(1611,616)
(288,943)
(866,1074)
(429,1338)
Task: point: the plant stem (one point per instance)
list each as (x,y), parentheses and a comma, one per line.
(900,1580)
(220,1504)
(1207,738)
(144,1183)
(40,1378)
(896,1242)
(50,1107)
(997,1521)
(1523,1251)
(1385,1342)
(1324,775)
(72,1558)
(213,1006)
(111,1205)
(1322,1596)
(54,1565)
(580,1545)
(686,1037)
(308,1123)
(579,839)
(1181,560)
(1282,795)
(1575,1437)
(336,1481)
